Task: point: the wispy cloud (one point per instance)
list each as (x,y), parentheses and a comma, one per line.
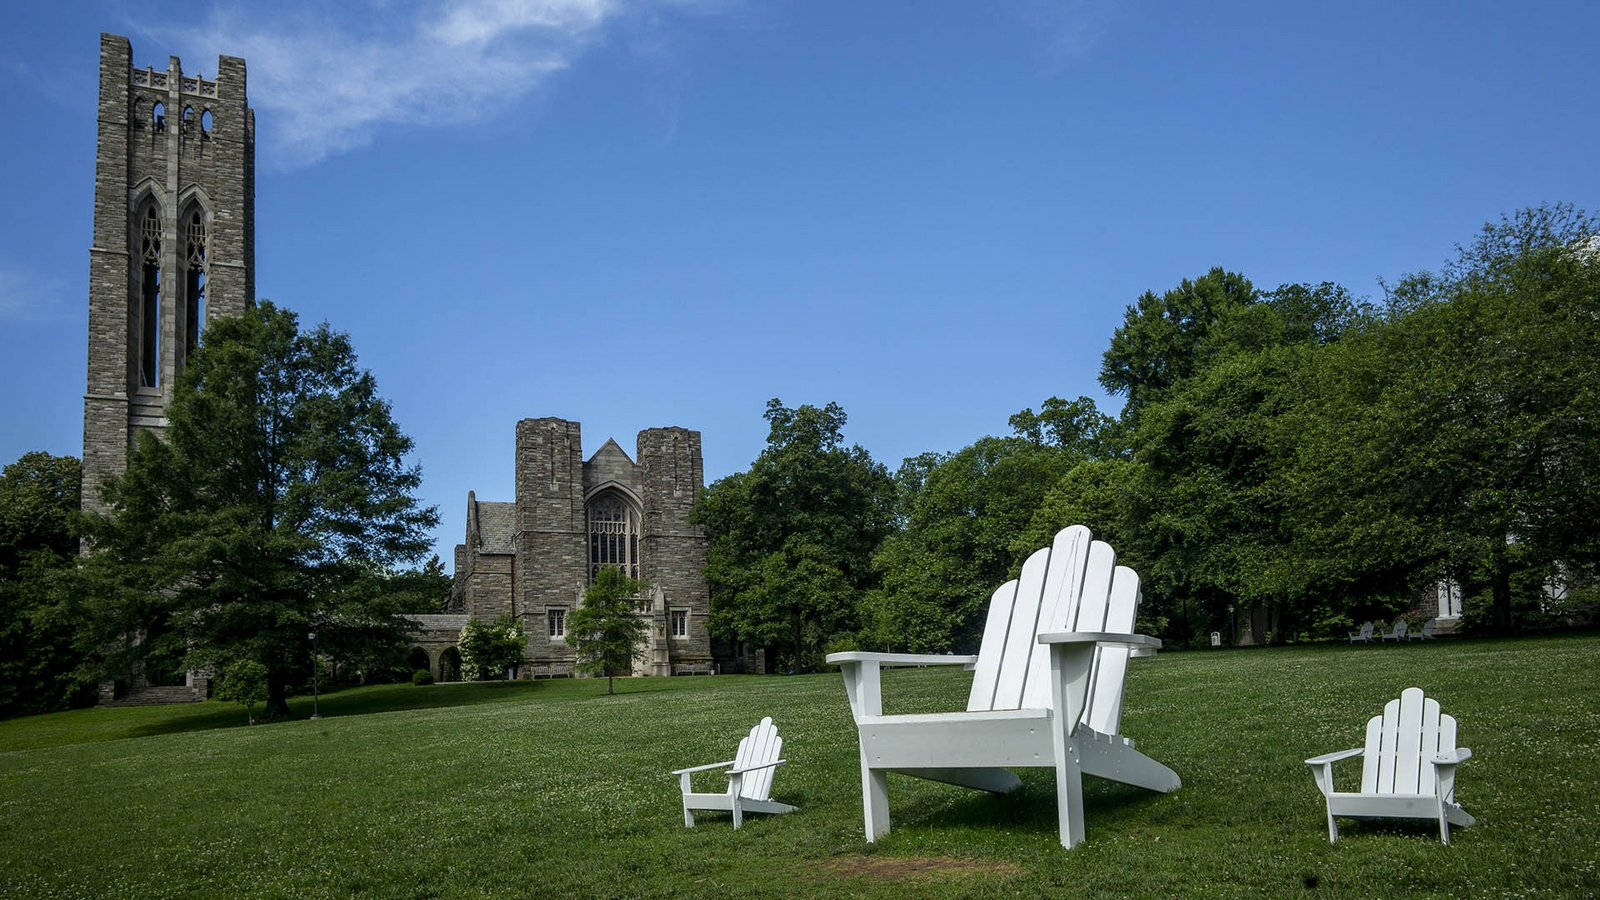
(27,296)
(333,75)
(1070,29)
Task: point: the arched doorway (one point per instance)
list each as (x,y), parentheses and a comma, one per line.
(450,665)
(418,659)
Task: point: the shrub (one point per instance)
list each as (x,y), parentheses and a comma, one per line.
(421,677)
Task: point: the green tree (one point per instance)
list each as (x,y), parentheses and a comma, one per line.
(424,590)
(1162,339)
(606,630)
(1470,417)
(488,649)
(791,540)
(40,664)
(281,488)
(960,516)
(244,681)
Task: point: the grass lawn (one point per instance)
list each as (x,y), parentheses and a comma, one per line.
(553,788)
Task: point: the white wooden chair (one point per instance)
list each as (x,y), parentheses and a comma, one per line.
(1408,768)
(749,778)
(1363,636)
(1397,633)
(1046,691)
(1425,633)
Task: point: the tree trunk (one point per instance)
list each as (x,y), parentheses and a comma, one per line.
(1501,589)
(611,684)
(277,697)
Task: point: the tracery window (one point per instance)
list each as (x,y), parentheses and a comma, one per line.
(150,297)
(613,535)
(194,287)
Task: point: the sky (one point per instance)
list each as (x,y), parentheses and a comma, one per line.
(666,212)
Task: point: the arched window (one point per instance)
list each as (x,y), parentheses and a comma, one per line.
(188,118)
(150,296)
(613,534)
(205,122)
(158,115)
(194,278)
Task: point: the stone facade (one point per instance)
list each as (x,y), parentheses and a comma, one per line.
(532,558)
(173,244)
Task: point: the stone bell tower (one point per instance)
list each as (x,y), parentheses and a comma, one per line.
(174,240)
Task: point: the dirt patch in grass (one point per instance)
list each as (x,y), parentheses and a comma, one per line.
(916,868)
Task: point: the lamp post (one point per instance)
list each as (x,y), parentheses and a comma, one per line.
(316,711)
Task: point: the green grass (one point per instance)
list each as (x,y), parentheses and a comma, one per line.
(554,788)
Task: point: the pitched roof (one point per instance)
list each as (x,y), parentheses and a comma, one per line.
(497,527)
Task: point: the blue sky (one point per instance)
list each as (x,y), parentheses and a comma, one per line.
(665,212)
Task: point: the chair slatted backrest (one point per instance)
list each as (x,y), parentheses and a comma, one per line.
(1401,744)
(761,745)
(1366,630)
(1072,585)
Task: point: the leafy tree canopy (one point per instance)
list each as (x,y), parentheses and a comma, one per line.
(280,491)
(791,540)
(39,662)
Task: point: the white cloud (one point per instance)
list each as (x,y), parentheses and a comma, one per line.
(26,296)
(1070,29)
(330,76)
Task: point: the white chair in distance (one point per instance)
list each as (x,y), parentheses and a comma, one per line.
(749,778)
(1408,768)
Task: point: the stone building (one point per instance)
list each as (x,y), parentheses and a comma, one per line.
(173,244)
(173,248)
(533,557)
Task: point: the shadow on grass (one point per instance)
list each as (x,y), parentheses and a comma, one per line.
(95,724)
(1031,807)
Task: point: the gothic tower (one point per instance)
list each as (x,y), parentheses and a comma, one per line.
(174,240)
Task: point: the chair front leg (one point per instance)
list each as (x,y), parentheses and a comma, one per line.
(735,789)
(1069,665)
(683,784)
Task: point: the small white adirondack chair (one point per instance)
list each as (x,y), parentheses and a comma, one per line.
(749,778)
(1425,633)
(1364,635)
(1408,768)
(1398,633)
(1046,691)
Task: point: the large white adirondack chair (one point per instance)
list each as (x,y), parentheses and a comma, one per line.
(1408,768)
(749,778)
(1364,635)
(1425,633)
(1046,691)
(1397,633)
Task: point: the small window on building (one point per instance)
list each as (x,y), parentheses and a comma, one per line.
(188,118)
(558,623)
(205,122)
(680,623)
(158,115)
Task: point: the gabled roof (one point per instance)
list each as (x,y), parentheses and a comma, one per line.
(497,527)
(611,443)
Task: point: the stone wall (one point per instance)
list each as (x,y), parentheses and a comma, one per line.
(181,166)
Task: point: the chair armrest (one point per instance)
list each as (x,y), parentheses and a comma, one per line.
(1326,758)
(900,659)
(702,768)
(1454,758)
(757,768)
(1135,641)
